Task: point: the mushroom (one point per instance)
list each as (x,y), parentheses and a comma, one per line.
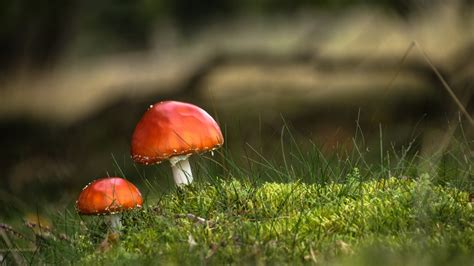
(109,196)
(172,130)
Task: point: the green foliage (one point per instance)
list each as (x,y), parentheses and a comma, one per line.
(297,206)
(240,222)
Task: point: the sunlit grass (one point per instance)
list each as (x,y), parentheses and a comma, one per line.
(297,205)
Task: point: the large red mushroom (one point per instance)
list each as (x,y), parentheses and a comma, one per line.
(109,196)
(173,131)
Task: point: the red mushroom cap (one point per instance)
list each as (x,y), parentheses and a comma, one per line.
(173,128)
(108,196)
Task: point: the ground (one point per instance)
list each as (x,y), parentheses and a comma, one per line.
(394,220)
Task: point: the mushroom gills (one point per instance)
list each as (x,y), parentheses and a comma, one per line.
(182,173)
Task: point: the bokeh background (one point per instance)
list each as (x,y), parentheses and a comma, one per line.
(76,76)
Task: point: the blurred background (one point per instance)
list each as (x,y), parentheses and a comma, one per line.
(76,76)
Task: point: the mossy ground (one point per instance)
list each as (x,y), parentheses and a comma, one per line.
(394,221)
(301,208)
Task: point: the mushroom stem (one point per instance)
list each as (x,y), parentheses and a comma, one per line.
(182,173)
(113,220)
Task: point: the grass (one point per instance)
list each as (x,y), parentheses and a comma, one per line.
(295,206)
(294,223)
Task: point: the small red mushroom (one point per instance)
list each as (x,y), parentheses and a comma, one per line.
(173,131)
(109,196)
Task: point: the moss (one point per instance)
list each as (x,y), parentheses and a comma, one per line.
(295,222)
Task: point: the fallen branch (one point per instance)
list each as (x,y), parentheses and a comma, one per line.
(45,231)
(10,230)
(195,219)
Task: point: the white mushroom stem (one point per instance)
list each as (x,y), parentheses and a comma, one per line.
(113,220)
(182,173)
